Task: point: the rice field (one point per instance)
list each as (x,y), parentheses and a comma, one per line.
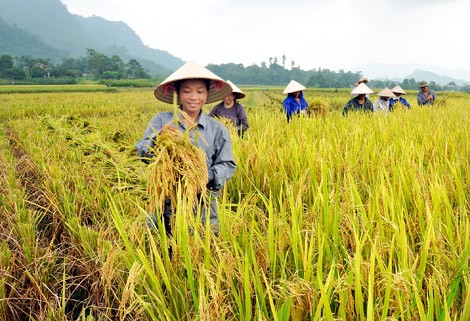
(364,217)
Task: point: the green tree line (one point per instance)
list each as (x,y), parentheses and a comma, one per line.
(95,66)
(275,74)
(98,66)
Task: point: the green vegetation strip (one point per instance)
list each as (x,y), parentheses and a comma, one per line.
(14,89)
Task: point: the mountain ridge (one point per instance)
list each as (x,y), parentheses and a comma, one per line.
(41,18)
(399,72)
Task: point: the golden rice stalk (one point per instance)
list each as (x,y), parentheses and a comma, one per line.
(229,125)
(177,162)
(441,102)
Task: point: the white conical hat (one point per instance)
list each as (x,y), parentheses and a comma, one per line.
(292,87)
(398,90)
(237,92)
(361,89)
(385,93)
(218,88)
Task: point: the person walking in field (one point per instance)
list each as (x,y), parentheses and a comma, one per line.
(230,108)
(194,86)
(426,96)
(359,102)
(382,103)
(398,99)
(295,102)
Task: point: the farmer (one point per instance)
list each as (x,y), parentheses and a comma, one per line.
(194,86)
(382,103)
(230,108)
(426,96)
(295,102)
(360,101)
(398,91)
(361,80)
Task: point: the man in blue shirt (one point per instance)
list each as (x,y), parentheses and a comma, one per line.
(426,96)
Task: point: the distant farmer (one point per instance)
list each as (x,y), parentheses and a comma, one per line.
(194,86)
(398,92)
(360,102)
(295,102)
(361,80)
(426,96)
(230,108)
(382,103)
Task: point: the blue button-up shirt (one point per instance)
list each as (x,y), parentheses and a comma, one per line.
(208,134)
(423,99)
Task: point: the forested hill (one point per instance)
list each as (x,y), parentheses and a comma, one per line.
(18,42)
(49,22)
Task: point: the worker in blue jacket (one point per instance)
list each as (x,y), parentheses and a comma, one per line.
(295,102)
(398,92)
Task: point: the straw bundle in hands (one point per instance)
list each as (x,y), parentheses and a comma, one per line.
(177,163)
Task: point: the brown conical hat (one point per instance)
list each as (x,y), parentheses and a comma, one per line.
(398,90)
(385,93)
(292,87)
(237,92)
(218,88)
(361,89)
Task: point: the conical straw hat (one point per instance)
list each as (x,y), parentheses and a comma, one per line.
(292,87)
(218,88)
(398,90)
(237,92)
(386,93)
(361,89)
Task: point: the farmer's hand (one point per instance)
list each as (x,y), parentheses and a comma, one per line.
(211,186)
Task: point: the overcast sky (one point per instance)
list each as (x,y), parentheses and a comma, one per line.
(334,34)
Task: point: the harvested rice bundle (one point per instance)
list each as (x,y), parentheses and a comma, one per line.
(177,163)
(317,107)
(399,106)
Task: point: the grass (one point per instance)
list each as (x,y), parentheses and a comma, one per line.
(364,217)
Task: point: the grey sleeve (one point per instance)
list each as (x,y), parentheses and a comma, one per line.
(145,145)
